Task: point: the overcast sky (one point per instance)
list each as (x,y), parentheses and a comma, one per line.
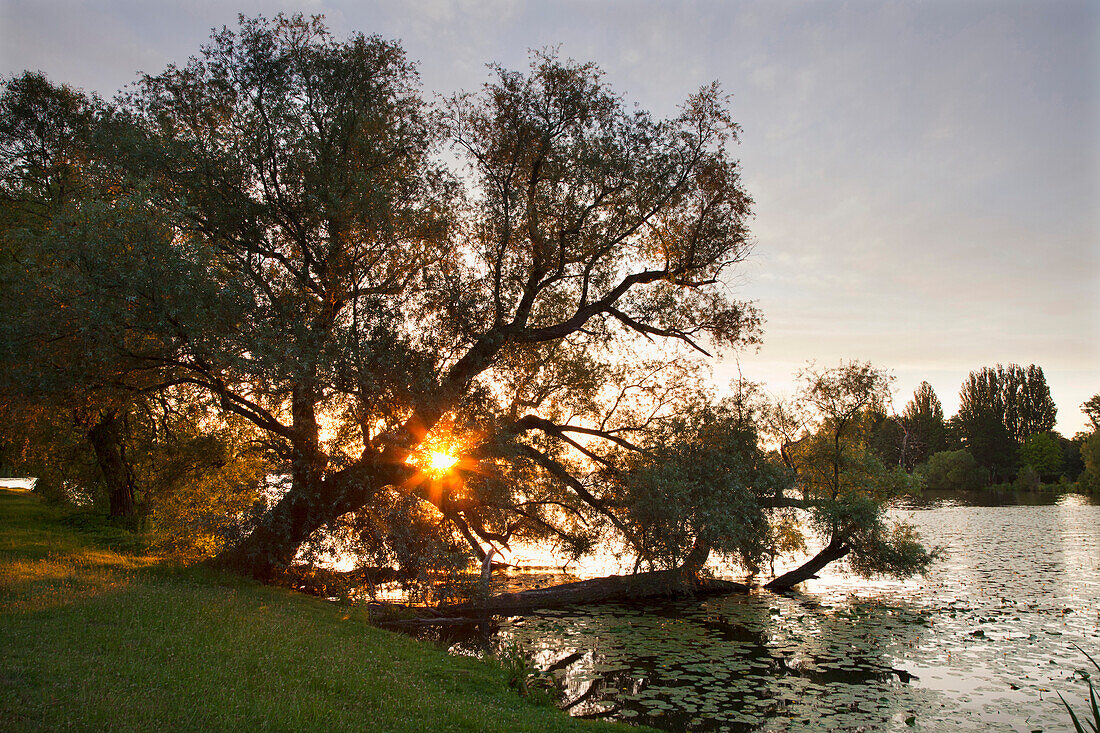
(926,174)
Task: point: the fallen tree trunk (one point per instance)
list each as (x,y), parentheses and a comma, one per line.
(832,552)
(683,580)
(597,590)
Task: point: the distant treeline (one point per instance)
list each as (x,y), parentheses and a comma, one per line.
(1003,433)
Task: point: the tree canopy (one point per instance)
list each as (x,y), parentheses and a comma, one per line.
(418,332)
(280,225)
(926,432)
(999,408)
(826,439)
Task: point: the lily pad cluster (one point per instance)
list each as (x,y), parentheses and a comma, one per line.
(982,644)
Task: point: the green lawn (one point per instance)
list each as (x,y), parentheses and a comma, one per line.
(93,635)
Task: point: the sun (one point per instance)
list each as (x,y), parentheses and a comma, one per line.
(433,463)
(439,461)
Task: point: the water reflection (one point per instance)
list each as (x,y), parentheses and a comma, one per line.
(940,498)
(979,645)
(733,663)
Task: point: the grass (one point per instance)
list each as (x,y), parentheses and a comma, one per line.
(1094,705)
(96,635)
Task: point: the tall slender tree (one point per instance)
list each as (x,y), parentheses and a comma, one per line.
(1091,408)
(999,408)
(926,432)
(1036,410)
(981,423)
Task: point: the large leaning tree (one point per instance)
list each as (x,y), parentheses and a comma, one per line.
(519,277)
(825,435)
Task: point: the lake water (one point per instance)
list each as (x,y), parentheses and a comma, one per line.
(982,644)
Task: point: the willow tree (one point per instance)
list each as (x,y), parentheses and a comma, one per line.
(841,487)
(292,236)
(50,381)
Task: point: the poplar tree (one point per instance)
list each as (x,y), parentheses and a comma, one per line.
(926,432)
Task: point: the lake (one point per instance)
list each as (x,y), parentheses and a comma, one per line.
(982,644)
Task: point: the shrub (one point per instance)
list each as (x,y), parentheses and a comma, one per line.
(1042,453)
(952,469)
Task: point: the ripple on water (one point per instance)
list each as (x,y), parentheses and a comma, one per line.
(982,644)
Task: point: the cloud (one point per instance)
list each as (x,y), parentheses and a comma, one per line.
(925,174)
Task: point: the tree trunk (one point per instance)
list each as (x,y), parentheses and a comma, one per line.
(311,504)
(597,590)
(106,439)
(273,543)
(680,581)
(832,552)
(316,499)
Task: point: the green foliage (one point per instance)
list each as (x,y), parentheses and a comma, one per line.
(707,481)
(926,431)
(1073,464)
(1043,454)
(1094,705)
(998,409)
(281,261)
(46,442)
(952,470)
(279,227)
(1091,408)
(202,490)
(1029,408)
(1027,479)
(893,549)
(1090,455)
(887,437)
(981,422)
(827,438)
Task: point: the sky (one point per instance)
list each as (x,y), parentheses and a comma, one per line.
(926,174)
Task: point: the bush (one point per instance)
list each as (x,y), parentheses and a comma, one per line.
(1042,453)
(1028,480)
(952,469)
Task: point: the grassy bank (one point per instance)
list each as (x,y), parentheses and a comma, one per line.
(94,635)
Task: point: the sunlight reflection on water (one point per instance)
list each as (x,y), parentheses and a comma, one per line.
(981,644)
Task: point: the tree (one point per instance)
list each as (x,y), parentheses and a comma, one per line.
(1088,445)
(702,485)
(844,486)
(998,409)
(1090,456)
(307,263)
(1042,453)
(47,141)
(1029,408)
(887,435)
(926,432)
(1091,408)
(982,425)
(953,470)
(1072,463)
